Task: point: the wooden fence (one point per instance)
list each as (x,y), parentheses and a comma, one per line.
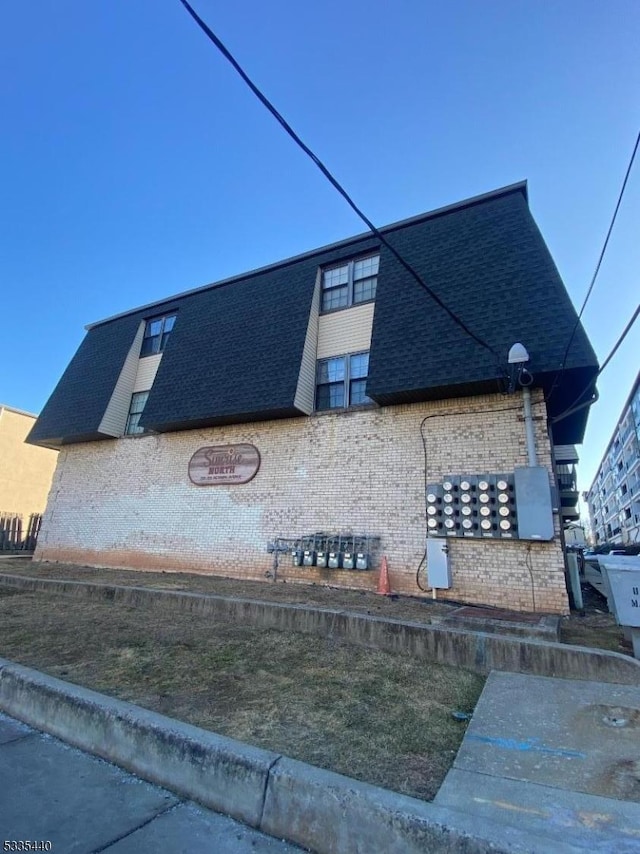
(15,536)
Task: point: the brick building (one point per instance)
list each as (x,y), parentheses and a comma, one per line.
(338,388)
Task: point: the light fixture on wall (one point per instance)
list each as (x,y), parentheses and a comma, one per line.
(518,374)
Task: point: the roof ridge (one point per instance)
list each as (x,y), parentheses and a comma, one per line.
(519,186)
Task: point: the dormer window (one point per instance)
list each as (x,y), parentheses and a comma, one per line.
(350,284)
(156,334)
(138,400)
(341,381)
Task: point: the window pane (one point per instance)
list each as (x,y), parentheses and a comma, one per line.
(133,426)
(138,401)
(365,289)
(366,267)
(336,276)
(150,346)
(331,370)
(357,393)
(154,327)
(156,333)
(335,298)
(359,366)
(330,396)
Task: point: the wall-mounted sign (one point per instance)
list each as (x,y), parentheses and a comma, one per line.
(221,465)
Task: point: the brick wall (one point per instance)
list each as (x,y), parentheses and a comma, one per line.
(130,503)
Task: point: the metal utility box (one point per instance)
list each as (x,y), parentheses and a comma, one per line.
(623,574)
(348,561)
(533,502)
(438,570)
(362,560)
(321,559)
(623,577)
(309,558)
(335,560)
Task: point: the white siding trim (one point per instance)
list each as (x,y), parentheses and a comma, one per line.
(306,389)
(147,370)
(346,331)
(114,419)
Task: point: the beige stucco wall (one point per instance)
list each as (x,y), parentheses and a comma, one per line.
(130,503)
(25,470)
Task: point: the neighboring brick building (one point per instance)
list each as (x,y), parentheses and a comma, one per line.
(331,365)
(25,471)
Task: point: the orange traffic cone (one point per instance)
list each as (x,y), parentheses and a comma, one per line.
(384,586)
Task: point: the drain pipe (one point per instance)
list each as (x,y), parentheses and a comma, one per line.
(528,426)
(519,375)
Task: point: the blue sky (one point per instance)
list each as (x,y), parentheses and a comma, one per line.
(135,164)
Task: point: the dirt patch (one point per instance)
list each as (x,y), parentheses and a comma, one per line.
(594,626)
(386,719)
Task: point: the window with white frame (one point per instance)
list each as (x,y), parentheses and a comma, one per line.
(156,334)
(341,381)
(138,401)
(350,284)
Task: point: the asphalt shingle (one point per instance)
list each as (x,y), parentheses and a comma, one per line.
(236,349)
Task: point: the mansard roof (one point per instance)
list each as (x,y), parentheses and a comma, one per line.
(236,350)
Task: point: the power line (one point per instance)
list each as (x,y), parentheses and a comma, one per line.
(274,112)
(558,375)
(620,339)
(576,403)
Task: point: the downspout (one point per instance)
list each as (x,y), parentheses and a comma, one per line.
(528,427)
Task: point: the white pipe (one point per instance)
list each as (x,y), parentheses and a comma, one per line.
(528,427)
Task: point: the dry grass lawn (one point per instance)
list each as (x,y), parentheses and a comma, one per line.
(595,627)
(378,717)
(397,608)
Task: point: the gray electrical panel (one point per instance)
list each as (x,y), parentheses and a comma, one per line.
(533,499)
(438,570)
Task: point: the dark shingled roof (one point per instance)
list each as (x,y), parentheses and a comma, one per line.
(235,352)
(236,349)
(489,262)
(74,411)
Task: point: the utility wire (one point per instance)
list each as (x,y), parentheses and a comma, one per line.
(274,112)
(576,403)
(620,339)
(423,423)
(558,375)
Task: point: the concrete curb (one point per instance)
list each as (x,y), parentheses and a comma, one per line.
(477,651)
(218,772)
(317,809)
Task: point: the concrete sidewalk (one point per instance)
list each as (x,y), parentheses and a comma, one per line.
(555,757)
(51,792)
